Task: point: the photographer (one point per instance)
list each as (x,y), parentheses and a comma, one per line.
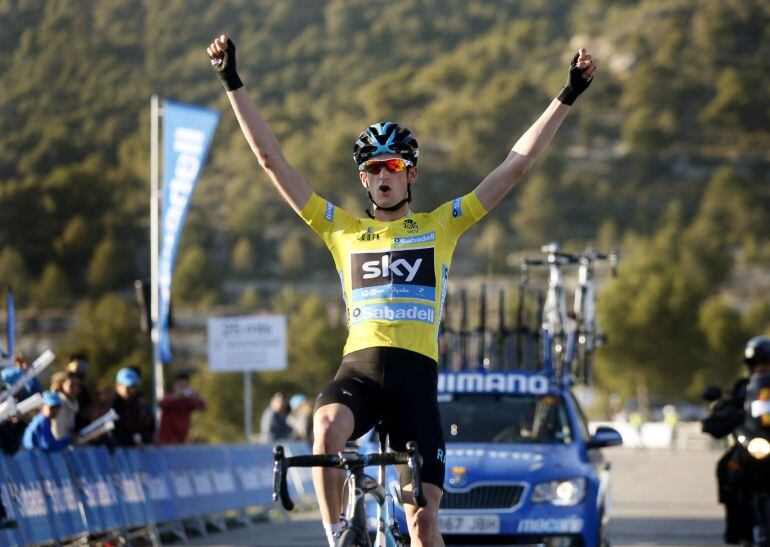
(176,409)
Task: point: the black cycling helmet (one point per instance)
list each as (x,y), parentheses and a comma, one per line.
(385,138)
(757,351)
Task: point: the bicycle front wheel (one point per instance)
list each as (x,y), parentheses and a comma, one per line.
(351,538)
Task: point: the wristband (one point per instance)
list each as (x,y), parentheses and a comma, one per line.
(567,95)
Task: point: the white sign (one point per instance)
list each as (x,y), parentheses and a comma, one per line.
(247,343)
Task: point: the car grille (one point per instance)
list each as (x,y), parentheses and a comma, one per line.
(496,496)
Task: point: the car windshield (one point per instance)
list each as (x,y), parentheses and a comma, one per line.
(484,418)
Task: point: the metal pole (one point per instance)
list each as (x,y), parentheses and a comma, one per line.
(154,253)
(463,330)
(247,427)
(501,334)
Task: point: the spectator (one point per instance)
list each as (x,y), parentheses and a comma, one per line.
(39,434)
(135,426)
(67,386)
(273,425)
(671,419)
(300,417)
(176,409)
(12,431)
(11,376)
(34,385)
(77,364)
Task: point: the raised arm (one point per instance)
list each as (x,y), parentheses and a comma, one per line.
(529,146)
(291,185)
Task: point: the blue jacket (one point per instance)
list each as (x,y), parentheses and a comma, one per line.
(39,435)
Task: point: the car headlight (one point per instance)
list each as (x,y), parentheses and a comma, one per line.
(758,447)
(560,493)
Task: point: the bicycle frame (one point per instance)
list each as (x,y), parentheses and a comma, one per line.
(356,532)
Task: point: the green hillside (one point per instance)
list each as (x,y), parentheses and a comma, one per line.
(666,155)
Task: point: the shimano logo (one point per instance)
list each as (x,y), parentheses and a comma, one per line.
(385,268)
(492,382)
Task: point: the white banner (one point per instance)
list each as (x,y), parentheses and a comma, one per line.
(249,343)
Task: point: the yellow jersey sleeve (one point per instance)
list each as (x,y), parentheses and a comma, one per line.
(326,219)
(458,215)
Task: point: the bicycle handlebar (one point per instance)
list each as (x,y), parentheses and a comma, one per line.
(414,460)
(560,258)
(348,461)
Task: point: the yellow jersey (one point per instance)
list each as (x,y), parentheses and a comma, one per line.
(393,274)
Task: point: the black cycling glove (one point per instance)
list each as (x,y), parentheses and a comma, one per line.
(576,84)
(225,68)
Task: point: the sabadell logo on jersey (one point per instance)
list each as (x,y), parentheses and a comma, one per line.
(395,312)
(425,238)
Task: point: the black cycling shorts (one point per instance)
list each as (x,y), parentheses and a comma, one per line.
(398,386)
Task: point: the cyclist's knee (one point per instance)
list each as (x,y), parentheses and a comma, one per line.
(330,431)
(424,525)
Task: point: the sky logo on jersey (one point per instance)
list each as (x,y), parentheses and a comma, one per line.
(457,208)
(402,274)
(393,312)
(520,383)
(329,211)
(425,238)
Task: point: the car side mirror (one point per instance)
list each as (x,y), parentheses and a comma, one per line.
(711,394)
(604,437)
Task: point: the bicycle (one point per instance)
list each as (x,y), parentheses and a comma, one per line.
(558,341)
(589,336)
(569,337)
(355,532)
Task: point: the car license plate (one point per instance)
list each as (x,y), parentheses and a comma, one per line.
(469,524)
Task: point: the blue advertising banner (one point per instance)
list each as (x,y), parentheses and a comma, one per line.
(253,470)
(35,514)
(187,134)
(9,536)
(157,483)
(63,493)
(130,489)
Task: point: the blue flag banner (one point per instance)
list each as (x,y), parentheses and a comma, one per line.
(11,333)
(187,134)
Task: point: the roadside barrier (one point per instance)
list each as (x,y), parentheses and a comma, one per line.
(88,493)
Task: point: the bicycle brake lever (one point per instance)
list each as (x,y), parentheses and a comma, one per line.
(280,488)
(415,462)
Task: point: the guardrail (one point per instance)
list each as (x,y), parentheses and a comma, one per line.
(86,493)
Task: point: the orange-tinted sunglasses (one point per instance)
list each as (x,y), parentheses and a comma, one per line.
(394,165)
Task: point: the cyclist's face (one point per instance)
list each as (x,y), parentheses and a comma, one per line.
(388,188)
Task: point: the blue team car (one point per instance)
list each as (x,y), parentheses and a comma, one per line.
(521,465)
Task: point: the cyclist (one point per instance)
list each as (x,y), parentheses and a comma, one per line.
(393,267)
(725,416)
